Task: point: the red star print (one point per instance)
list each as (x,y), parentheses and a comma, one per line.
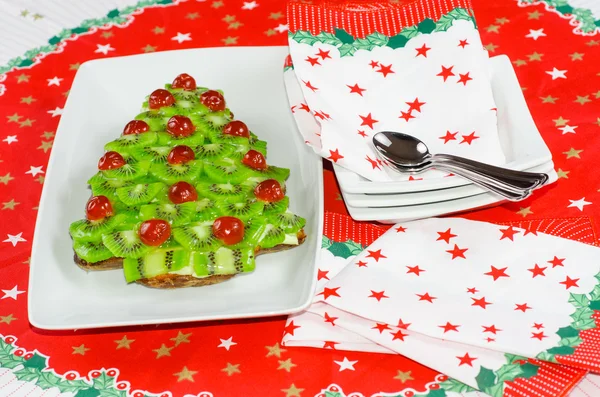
(304,106)
(376,255)
(446,236)
(527,231)
(557,262)
(292,109)
(335,156)
(400,229)
(368,120)
(508,233)
(481,302)
(312,61)
(381,327)
(426,297)
(319,115)
(373,163)
(449,327)
(446,72)
(492,329)
(538,335)
(374,64)
(415,105)
(458,252)
(361,264)
(522,307)
(329,344)
(463,43)
(378,295)
(406,116)
(537,271)
(327,292)
(322,275)
(399,335)
(422,51)
(362,133)
(355,89)
(472,290)
(497,273)
(329,319)
(290,328)
(466,359)
(310,86)
(449,137)
(323,54)
(402,325)
(385,70)
(569,282)
(468,139)
(464,78)
(414,270)
(412,178)
(538,326)
(489,340)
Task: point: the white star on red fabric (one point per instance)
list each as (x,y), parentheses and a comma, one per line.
(282,28)
(557,74)
(181,37)
(54,81)
(346,364)
(35,170)
(12,293)
(227,343)
(536,34)
(56,112)
(249,5)
(579,204)
(103,49)
(14,239)
(10,139)
(567,129)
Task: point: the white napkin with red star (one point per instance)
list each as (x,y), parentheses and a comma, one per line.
(436,87)
(463,297)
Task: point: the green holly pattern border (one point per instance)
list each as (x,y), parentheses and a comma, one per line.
(113,17)
(581,17)
(347,45)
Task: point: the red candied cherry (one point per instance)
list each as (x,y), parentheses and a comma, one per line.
(213,100)
(269,191)
(236,128)
(136,127)
(70,376)
(19,353)
(28,356)
(160,98)
(182,192)
(98,208)
(111,161)
(255,159)
(154,232)
(180,154)
(180,126)
(228,229)
(184,81)
(112,372)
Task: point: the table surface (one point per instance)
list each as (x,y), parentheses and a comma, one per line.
(558,67)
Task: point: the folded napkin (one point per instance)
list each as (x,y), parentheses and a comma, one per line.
(482,303)
(416,67)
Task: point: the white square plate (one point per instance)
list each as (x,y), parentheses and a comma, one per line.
(105,95)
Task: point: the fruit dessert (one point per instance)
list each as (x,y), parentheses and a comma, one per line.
(184,197)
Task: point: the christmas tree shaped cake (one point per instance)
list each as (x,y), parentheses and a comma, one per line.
(184,197)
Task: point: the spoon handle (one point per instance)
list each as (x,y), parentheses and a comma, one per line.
(511,179)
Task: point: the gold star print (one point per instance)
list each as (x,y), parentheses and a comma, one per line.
(80,349)
(404,376)
(286,364)
(23,78)
(28,99)
(270,32)
(37,16)
(549,99)
(274,350)
(158,30)
(74,66)
(502,21)
(26,123)
(45,146)
(560,122)
(491,47)
(107,34)
(10,205)
(181,338)
(276,15)
(235,25)
(217,4)
(232,369)
(592,43)
(523,88)
(573,153)
(535,15)
(47,134)
(163,351)
(576,56)
(229,40)
(15,118)
(582,100)
(148,48)
(6,178)
(493,29)
(27,261)
(228,18)
(293,391)
(520,62)
(185,374)
(535,57)
(124,343)
(24,13)
(339,197)
(598,122)
(7,319)
(597,95)
(524,211)
(192,15)
(40,179)
(66,93)
(563,174)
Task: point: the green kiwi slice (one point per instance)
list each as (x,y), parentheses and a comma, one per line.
(106,187)
(155,263)
(141,193)
(127,143)
(223,261)
(171,173)
(272,236)
(288,222)
(175,214)
(277,207)
(92,251)
(156,120)
(253,231)
(197,237)
(84,230)
(222,191)
(204,210)
(225,170)
(272,172)
(156,154)
(130,171)
(243,210)
(125,244)
(242,148)
(212,151)
(168,139)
